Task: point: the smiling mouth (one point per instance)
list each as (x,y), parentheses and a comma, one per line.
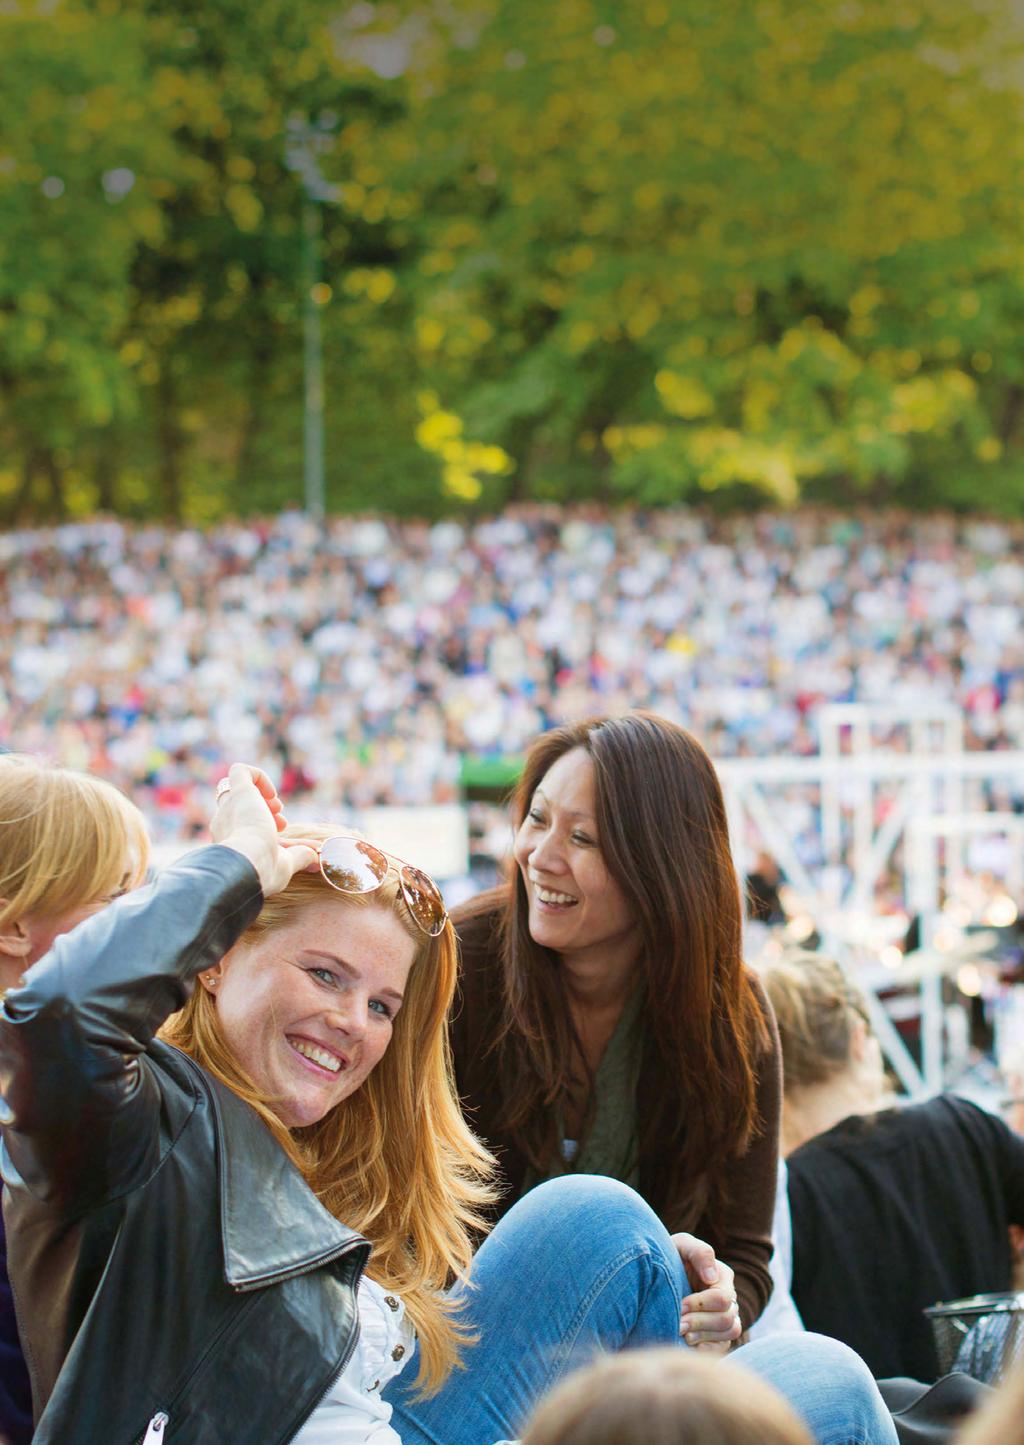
(551,898)
(322,1059)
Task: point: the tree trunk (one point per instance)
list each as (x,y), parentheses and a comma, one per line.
(55,481)
(600,457)
(520,447)
(251,430)
(32,503)
(106,470)
(170,444)
(1013,410)
(20,509)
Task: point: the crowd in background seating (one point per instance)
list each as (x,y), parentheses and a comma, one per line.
(362,660)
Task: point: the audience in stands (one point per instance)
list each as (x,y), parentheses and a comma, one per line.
(361,660)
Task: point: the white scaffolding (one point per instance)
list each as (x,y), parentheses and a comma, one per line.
(935,871)
(889,789)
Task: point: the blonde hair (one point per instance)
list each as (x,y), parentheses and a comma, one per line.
(395,1160)
(816,1007)
(66,839)
(663,1397)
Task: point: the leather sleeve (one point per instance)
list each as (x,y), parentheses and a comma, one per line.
(81,1111)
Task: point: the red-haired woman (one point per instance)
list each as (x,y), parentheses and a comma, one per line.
(607,1023)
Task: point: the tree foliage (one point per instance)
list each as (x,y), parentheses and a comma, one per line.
(654,251)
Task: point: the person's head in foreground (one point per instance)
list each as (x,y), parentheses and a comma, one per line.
(664,1397)
(832,1063)
(69,843)
(1001,1419)
(329,1017)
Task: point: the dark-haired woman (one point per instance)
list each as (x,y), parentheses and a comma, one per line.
(607,1023)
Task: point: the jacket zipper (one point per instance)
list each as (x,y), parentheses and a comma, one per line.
(155,1432)
(340,1367)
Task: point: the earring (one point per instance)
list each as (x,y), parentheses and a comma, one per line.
(211,980)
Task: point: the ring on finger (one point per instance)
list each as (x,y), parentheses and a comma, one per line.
(224,786)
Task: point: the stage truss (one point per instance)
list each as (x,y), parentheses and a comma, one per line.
(892,793)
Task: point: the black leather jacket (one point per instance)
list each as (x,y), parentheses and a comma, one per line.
(165,1255)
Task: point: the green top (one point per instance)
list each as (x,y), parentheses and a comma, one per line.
(612,1146)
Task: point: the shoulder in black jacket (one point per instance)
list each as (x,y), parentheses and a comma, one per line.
(896,1211)
(165,1255)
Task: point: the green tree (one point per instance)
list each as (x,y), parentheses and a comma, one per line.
(670,248)
(655,251)
(218,303)
(75,148)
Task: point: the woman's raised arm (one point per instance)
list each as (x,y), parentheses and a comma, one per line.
(79,1105)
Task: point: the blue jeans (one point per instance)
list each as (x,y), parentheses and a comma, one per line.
(580,1266)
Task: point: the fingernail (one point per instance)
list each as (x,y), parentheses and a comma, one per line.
(684,1328)
(711,1274)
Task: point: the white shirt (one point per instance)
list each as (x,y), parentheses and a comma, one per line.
(353,1412)
(781,1315)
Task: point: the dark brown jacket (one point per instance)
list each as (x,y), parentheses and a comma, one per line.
(744,1239)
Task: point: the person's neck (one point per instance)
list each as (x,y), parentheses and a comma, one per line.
(599,985)
(819,1108)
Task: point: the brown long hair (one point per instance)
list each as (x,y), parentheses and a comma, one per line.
(395,1160)
(664,837)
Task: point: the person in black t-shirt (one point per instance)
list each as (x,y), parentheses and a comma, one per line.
(893,1209)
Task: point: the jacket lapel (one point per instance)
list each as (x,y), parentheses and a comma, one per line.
(272,1225)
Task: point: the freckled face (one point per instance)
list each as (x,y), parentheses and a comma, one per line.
(308,1009)
(576,907)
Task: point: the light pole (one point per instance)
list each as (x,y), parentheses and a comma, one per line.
(306,141)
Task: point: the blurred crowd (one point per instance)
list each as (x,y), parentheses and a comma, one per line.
(365,659)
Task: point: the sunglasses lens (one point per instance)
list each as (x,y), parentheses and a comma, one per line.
(352,866)
(423,896)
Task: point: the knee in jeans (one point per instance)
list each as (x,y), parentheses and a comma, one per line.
(594,1208)
(837,1358)
(585,1192)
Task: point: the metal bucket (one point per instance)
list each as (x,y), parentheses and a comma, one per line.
(982,1335)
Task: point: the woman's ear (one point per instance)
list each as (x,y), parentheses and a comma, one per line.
(866,1058)
(14,950)
(14,939)
(859,1037)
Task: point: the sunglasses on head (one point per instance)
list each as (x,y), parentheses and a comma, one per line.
(352,865)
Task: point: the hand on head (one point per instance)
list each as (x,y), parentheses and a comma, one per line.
(249,818)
